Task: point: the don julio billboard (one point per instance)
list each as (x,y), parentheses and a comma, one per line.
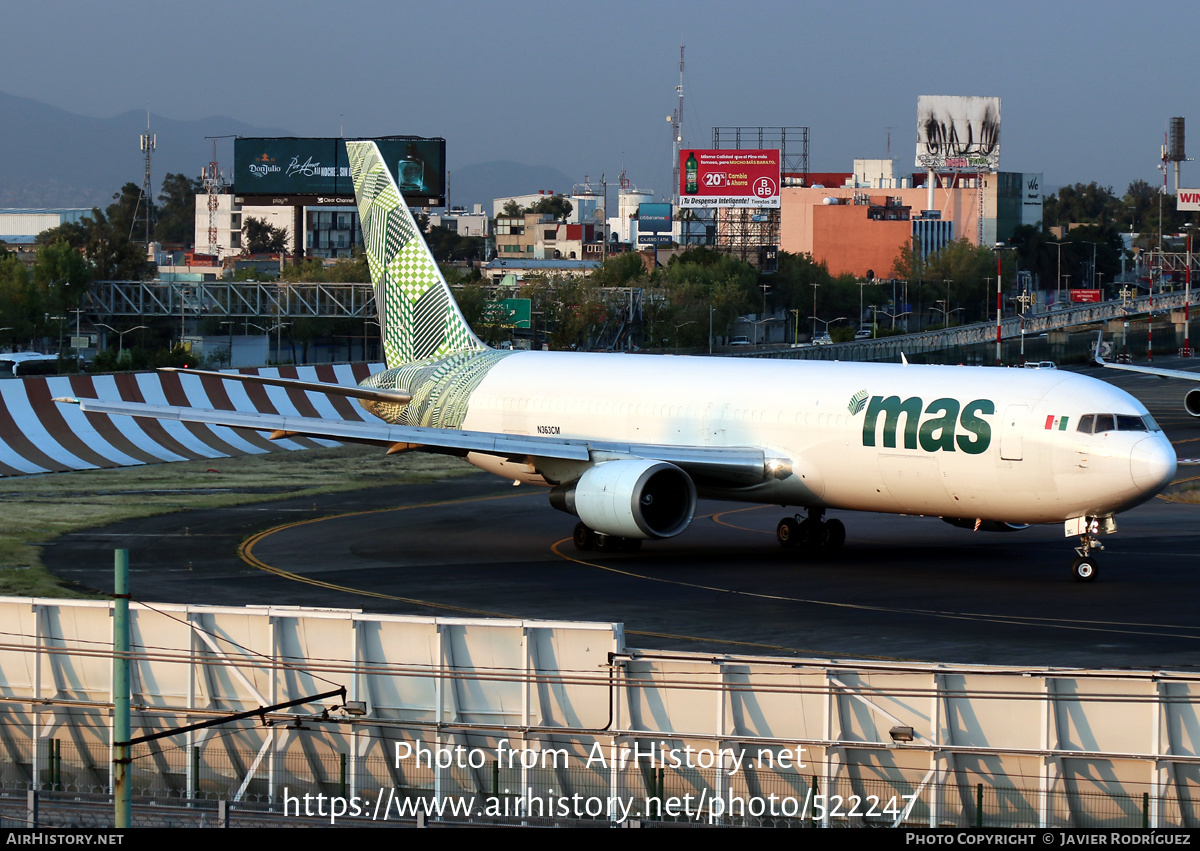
(319,170)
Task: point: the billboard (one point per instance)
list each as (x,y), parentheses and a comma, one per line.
(654,218)
(1187,200)
(958,132)
(728,178)
(316,172)
(1084,296)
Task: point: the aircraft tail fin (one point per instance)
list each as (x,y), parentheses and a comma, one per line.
(418,316)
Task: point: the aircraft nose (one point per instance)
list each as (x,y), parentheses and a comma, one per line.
(1152,463)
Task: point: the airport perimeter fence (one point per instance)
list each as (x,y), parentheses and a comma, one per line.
(318,790)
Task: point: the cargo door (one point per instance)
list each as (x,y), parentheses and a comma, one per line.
(1012,432)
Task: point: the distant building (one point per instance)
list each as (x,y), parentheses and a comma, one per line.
(457,219)
(21,226)
(852,230)
(522,201)
(521,268)
(328,231)
(540,237)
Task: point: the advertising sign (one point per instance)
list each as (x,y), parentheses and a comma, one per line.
(728,178)
(319,170)
(654,218)
(1085,295)
(654,239)
(1188,200)
(958,132)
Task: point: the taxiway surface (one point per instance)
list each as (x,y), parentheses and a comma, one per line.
(903,587)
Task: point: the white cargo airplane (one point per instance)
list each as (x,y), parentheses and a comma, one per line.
(628,443)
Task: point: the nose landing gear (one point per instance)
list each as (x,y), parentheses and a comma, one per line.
(1084,567)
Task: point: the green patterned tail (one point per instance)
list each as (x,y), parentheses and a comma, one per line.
(418,317)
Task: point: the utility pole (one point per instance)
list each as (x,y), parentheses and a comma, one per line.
(122,789)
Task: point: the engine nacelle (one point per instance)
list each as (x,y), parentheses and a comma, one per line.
(986,525)
(630,499)
(1191,402)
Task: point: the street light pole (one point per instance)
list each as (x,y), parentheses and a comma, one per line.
(1187,296)
(814,316)
(999,304)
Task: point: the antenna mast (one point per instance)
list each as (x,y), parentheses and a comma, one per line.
(676,120)
(148,141)
(213,184)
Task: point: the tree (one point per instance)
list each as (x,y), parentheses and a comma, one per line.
(554,205)
(1088,243)
(127,209)
(20,301)
(447,246)
(62,276)
(177,213)
(1036,253)
(512,208)
(261,238)
(1081,204)
(105,245)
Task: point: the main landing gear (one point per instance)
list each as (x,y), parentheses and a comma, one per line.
(587,539)
(814,532)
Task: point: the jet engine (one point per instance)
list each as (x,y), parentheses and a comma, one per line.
(1191,402)
(637,499)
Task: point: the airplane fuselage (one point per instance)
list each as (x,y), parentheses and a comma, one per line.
(963,442)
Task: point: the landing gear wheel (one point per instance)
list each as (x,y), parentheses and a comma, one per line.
(608,543)
(811,535)
(835,534)
(788,532)
(1084,568)
(585,538)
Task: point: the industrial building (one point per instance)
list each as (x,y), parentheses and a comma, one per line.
(858,222)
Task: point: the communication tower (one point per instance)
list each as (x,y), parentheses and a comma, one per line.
(214,184)
(145,205)
(676,119)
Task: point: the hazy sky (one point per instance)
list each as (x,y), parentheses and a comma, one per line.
(1086,88)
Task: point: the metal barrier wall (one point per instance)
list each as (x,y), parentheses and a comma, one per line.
(505,718)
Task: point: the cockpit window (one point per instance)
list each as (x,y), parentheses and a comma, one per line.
(1099,423)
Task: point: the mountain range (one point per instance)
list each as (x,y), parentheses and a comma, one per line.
(53,158)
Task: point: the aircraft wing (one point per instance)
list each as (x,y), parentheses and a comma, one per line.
(732,466)
(1180,374)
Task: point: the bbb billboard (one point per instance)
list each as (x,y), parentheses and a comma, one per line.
(728,178)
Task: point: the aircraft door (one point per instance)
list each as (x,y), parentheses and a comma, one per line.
(1012,439)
